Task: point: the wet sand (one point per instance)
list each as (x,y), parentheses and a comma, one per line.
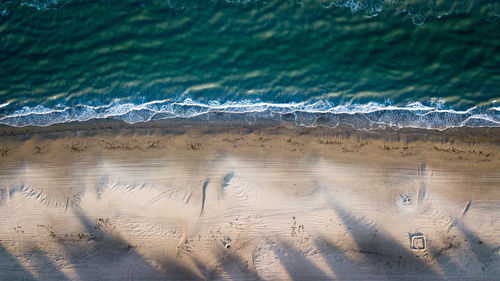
(198,201)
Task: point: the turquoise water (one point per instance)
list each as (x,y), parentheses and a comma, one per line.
(431,64)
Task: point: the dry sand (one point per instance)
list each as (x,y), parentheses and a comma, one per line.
(183,201)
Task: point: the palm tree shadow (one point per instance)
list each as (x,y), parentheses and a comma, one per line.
(232,264)
(45,267)
(11,269)
(297,266)
(177,270)
(339,262)
(229,264)
(379,251)
(484,253)
(465,242)
(97,253)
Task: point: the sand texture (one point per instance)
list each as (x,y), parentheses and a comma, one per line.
(245,204)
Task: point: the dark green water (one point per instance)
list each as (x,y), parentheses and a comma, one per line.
(58,57)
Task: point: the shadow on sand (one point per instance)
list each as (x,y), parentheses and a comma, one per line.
(100,254)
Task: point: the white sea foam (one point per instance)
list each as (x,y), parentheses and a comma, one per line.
(369,115)
(40,4)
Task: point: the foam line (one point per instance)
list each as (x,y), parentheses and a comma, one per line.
(367,115)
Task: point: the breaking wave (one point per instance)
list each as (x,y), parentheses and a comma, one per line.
(361,116)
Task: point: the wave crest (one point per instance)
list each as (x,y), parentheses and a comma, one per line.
(362,116)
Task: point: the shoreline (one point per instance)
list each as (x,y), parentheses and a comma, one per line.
(466,134)
(459,145)
(320,113)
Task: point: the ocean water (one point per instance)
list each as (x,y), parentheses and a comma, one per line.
(368,63)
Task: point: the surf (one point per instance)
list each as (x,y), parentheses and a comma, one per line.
(309,114)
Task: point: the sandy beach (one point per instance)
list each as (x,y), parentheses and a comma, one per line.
(198,201)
